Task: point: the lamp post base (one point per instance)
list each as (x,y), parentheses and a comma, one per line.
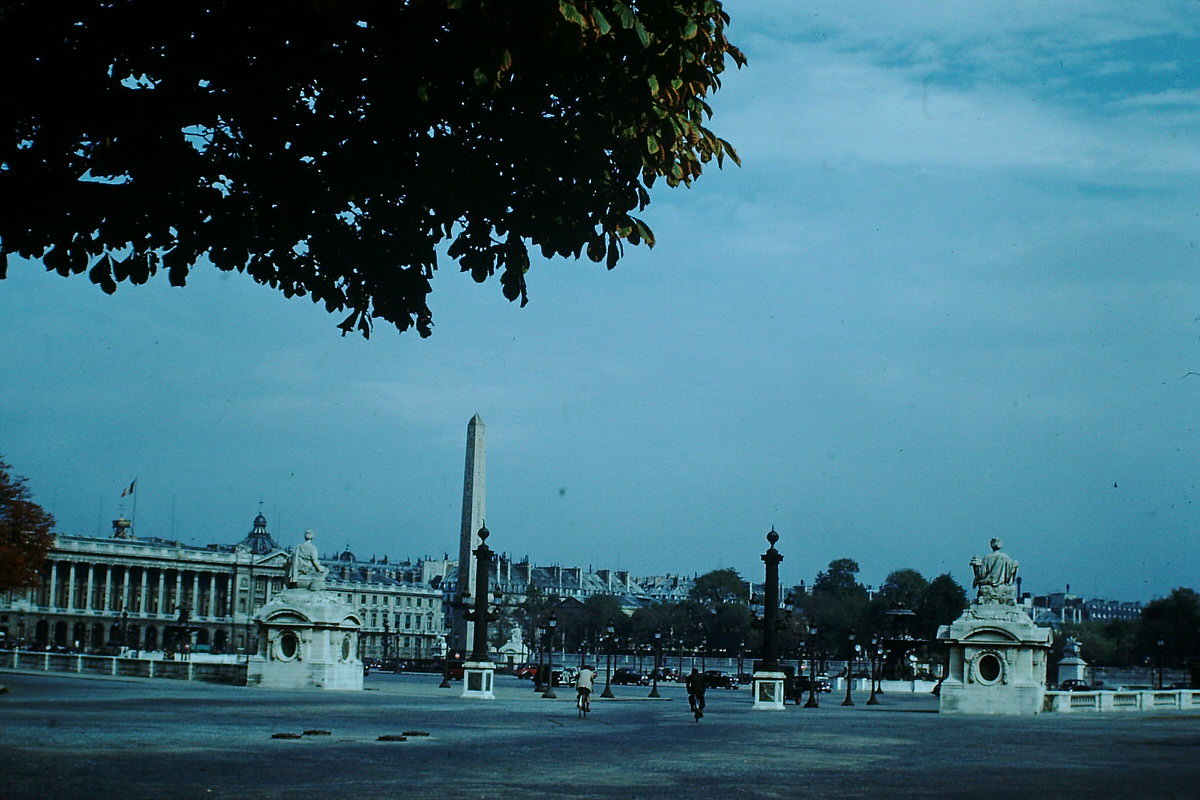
(477,680)
(768,690)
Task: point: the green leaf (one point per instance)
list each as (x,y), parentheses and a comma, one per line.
(641,32)
(571,14)
(651,144)
(601,21)
(653,83)
(689,30)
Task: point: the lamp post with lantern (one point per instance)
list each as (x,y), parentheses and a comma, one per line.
(611,634)
(854,649)
(812,668)
(769,678)
(658,634)
(551,624)
(478,669)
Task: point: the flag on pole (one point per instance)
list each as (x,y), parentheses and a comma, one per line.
(129,491)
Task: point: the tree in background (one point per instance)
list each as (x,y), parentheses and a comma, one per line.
(941,603)
(837,605)
(25,532)
(1175,620)
(719,587)
(531,613)
(333,148)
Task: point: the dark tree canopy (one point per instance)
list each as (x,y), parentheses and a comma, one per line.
(327,148)
(720,586)
(25,533)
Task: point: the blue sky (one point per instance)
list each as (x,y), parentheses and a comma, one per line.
(951,294)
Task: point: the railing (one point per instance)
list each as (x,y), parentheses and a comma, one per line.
(122,666)
(1124,700)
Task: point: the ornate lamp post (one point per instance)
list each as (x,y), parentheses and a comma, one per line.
(1160,644)
(769,678)
(657,662)
(611,633)
(551,624)
(853,648)
(478,669)
(540,637)
(445,684)
(812,668)
(872,655)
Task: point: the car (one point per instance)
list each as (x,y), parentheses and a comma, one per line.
(664,674)
(1074,685)
(627,676)
(819,684)
(527,671)
(719,679)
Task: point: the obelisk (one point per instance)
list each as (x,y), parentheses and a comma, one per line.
(473,511)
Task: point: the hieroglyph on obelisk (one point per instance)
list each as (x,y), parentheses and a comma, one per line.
(473,512)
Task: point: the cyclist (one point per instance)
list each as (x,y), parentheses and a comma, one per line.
(696,685)
(584,680)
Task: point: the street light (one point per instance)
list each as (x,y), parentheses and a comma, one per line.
(540,637)
(445,684)
(1160,644)
(812,669)
(657,662)
(854,648)
(551,624)
(611,632)
(873,700)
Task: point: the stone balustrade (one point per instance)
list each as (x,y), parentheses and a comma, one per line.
(1124,700)
(123,666)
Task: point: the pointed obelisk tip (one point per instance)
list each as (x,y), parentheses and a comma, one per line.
(476,420)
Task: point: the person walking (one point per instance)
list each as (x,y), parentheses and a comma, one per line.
(696,685)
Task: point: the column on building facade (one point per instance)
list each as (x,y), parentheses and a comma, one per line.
(195,601)
(53,583)
(126,595)
(142,593)
(107,604)
(71,586)
(91,586)
(212,594)
(162,592)
(177,596)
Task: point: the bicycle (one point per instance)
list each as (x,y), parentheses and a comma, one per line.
(583,702)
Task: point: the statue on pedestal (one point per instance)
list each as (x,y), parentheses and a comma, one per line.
(305,570)
(995,577)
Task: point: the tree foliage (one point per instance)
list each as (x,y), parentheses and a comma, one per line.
(328,149)
(718,587)
(25,532)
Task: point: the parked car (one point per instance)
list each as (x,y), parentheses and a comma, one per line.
(1074,685)
(627,676)
(819,683)
(527,671)
(718,679)
(665,674)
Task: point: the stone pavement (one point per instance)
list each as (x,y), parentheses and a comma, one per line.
(77,737)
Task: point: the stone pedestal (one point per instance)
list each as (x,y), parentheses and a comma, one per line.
(1072,668)
(477,679)
(768,690)
(997,661)
(307,640)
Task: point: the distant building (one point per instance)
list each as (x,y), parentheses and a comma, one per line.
(1058,608)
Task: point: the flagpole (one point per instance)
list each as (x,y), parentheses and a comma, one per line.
(134,521)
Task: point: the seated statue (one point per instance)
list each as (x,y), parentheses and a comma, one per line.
(305,570)
(995,577)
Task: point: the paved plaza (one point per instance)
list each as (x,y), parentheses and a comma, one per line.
(77,737)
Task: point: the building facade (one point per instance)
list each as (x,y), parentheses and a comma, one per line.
(126,593)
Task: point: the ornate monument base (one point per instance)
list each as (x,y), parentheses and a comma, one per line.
(997,661)
(477,679)
(768,690)
(307,640)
